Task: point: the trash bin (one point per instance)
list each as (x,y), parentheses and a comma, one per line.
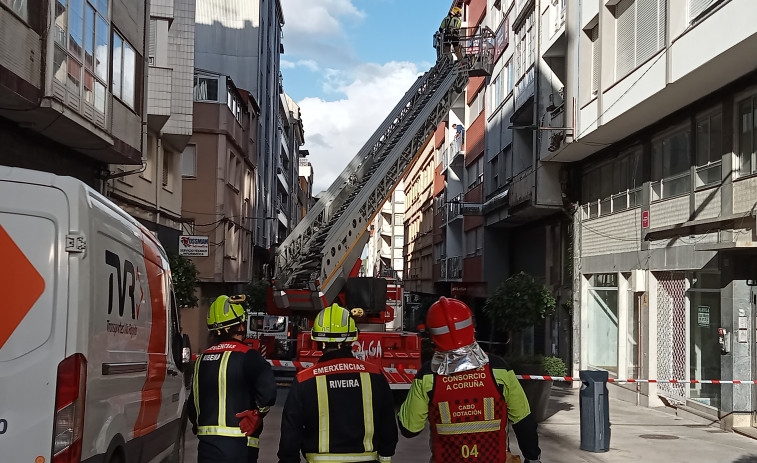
(595,411)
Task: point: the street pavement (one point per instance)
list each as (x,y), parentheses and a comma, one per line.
(638,434)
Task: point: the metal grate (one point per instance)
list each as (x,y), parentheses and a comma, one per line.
(671,333)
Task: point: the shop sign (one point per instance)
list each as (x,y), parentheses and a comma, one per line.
(194,246)
(458,290)
(703,316)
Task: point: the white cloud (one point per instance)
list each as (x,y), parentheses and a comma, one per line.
(336,130)
(310,64)
(321,17)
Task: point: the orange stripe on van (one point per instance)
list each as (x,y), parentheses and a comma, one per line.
(152,393)
(20,284)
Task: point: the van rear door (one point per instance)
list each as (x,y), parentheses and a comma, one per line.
(34,284)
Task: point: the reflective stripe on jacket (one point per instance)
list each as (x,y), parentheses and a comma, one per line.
(339,410)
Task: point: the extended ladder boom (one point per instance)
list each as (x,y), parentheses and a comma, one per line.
(313,262)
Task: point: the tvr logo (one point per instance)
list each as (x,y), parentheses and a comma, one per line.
(125,284)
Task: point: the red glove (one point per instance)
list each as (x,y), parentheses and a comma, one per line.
(249,421)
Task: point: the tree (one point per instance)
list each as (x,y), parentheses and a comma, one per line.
(519,302)
(184,275)
(255,293)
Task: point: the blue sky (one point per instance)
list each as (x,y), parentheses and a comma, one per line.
(347,63)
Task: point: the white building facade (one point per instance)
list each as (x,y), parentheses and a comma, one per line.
(659,109)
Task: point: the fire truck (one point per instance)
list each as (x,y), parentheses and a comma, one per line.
(317,263)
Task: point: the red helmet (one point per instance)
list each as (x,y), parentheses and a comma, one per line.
(450,323)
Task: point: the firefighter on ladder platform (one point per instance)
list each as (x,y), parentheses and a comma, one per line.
(466,395)
(447,38)
(341,409)
(232,389)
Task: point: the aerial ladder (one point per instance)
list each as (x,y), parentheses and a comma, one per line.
(316,264)
(313,263)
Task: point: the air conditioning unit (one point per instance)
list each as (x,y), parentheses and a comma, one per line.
(638,281)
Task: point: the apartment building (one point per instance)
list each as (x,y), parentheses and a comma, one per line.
(660,96)
(242,39)
(152,193)
(218,194)
(500,209)
(305,198)
(422,231)
(72,85)
(292,137)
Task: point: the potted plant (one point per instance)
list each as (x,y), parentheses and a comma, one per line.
(518,303)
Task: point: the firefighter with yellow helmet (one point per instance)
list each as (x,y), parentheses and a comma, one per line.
(232,389)
(341,409)
(447,39)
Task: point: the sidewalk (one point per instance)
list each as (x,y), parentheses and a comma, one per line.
(638,434)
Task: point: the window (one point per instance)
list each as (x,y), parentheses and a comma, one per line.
(709,148)
(397,219)
(206,88)
(477,106)
(124,70)
(80,57)
(189,161)
(747,149)
(166,168)
(697,7)
(475,173)
(704,317)
(495,172)
(603,322)
(615,185)
(398,241)
(671,163)
(495,89)
(231,173)
(640,29)
(595,58)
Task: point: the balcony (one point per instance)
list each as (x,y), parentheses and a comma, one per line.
(280,175)
(158,97)
(453,155)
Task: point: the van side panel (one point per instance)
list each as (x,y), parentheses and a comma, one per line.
(156,367)
(34,284)
(119,328)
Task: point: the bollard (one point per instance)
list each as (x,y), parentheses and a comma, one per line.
(595,411)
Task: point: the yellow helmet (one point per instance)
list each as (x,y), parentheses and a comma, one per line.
(224,312)
(456,11)
(334,324)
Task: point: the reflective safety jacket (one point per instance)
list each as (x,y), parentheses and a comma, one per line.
(468,418)
(449,23)
(229,378)
(340,410)
(468,413)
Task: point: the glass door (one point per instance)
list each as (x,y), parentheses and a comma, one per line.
(704,349)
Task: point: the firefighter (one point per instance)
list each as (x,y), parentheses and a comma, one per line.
(341,409)
(449,32)
(232,389)
(466,395)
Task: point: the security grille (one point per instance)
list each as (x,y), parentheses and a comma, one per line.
(671,333)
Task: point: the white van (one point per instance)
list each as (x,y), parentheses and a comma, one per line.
(90,343)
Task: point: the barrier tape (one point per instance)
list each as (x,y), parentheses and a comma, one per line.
(635,380)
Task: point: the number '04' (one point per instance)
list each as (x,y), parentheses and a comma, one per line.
(469,451)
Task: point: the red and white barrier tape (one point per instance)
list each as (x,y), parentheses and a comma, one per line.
(634,380)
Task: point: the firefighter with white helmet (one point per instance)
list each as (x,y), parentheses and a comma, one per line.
(341,408)
(232,389)
(466,395)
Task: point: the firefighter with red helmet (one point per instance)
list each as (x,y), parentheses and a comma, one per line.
(466,395)
(341,409)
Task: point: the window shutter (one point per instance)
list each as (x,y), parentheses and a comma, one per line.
(153,40)
(625,25)
(595,59)
(696,7)
(646,30)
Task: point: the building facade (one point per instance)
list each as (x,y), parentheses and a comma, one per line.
(661,105)
(152,193)
(292,137)
(72,86)
(242,39)
(218,176)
